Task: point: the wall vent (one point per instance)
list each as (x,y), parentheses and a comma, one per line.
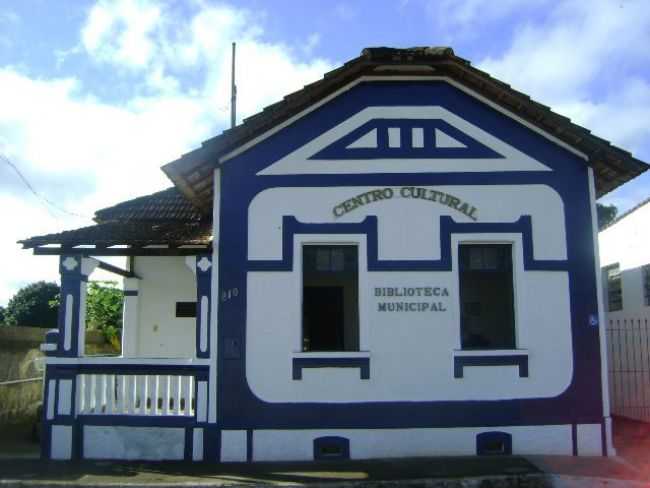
(331,447)
(494,444)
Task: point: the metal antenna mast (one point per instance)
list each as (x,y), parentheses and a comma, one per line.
(233,91)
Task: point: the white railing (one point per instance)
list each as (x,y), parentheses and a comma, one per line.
(628,340)
(135,394)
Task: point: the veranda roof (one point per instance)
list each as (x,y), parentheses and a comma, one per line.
(144,224)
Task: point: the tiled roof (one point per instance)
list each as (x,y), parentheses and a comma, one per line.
(193,172)
(162,218)
(166,205)
(135,233)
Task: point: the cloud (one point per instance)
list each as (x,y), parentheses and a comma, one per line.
(120,32)
(581,59)
(346,11)
(85,151)
(8,17)
(588,61)
(465,13)
(313,40)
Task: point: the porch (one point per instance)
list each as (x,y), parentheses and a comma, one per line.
(153,397)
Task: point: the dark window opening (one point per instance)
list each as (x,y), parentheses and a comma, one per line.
(646,285)
(614,289)
(185,309)
(487,316)
(330,298)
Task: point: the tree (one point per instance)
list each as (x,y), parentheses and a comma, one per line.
(103,309)
(606,214)
(30,306)
(2,316)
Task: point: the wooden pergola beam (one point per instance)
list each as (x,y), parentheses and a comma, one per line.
(130,251)
(117,270)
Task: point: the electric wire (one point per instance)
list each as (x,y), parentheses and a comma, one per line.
(46,201)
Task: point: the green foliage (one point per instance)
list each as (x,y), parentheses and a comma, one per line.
(2,316)
(104,305)
(30,306)
(103,309)
(606,214)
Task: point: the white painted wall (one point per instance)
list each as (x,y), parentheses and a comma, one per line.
(297,445)
(411,354)
(142,443)
(165,281)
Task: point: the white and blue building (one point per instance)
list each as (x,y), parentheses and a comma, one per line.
(398,260)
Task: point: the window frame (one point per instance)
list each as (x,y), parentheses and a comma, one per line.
(514,240)
(605,271)
(357,240)
(645,284)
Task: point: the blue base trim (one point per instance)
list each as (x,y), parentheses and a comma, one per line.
(574,438)
(137,420)
(520,360)
(211,444)
(301,363)
(189,444)
(65,370)
(77,442)
(368,226)
(249,445)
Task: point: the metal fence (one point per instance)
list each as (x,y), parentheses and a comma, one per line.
(628,342)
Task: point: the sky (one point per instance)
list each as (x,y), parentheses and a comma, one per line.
(95,96)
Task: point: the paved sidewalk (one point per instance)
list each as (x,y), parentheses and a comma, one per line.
(415,472)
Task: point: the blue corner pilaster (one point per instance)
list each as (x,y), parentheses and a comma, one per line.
(203,304)
(72,310)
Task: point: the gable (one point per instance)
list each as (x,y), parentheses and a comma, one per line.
(404,139)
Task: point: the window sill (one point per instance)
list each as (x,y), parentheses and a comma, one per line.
(495,357)
(331,359)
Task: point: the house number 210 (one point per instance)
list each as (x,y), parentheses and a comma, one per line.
(229,294)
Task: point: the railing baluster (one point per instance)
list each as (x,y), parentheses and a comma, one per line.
(142,394)
(189,406)
(152,392)
(101,395)
(165,394)
(81,385)
(88,394)
(176,394)
(187,394)
(110,394)
(131,394)
(119,393)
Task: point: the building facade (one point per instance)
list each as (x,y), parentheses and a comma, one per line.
(625,261)
(401,262)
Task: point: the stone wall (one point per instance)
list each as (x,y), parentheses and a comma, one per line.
(20,358)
